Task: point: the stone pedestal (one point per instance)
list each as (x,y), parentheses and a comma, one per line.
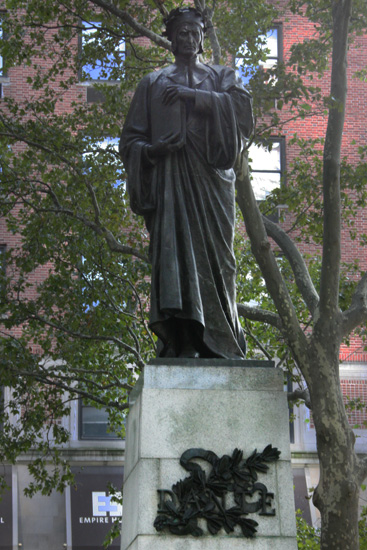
(216,405)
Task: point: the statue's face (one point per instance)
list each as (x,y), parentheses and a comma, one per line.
(188,38)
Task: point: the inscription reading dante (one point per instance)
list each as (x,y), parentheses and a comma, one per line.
(223,497)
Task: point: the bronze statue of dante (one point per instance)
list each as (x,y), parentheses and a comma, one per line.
(180,141)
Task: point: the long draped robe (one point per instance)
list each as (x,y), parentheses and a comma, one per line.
(188,200)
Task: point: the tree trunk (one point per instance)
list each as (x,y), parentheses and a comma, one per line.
(337,493)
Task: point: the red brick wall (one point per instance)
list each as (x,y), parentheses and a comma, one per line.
(356,390)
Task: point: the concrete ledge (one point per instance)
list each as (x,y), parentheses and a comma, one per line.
(217,374)
(188,362)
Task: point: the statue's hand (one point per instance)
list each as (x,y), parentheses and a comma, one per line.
(167,144)
(173,93)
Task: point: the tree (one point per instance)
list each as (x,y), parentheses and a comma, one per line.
(75,285)
(317,353)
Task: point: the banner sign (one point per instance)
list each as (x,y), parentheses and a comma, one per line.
(93,509)
(6,511)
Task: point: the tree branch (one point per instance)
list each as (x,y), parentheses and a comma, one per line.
(297,263)
(265,258)
(124,16)
(97,210)
(162,8)
(96,226)
(112,242)
(75,390)
(357,312)
(298,394)
(261,315)
(210,29)
(362,468)
(82,336)
(249,333)
(329,286)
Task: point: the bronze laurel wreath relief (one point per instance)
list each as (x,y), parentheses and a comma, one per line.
(204,495)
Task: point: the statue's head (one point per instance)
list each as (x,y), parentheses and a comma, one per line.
(183,16)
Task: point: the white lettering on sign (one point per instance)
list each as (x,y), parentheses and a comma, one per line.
(94,520)
(104,504)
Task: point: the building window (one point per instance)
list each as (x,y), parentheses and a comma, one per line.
(274,47)
(267,165)
(93,423)
(273,44)
(93,40)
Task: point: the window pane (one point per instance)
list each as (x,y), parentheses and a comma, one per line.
(266,169)
(272,46)
(263,183)
(94,424)
(92,415)
(263,159)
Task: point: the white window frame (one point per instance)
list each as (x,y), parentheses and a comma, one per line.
(260,157)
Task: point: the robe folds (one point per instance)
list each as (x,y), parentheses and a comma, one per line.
(188,200)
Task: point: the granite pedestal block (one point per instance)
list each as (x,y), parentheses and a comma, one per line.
(216,405)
